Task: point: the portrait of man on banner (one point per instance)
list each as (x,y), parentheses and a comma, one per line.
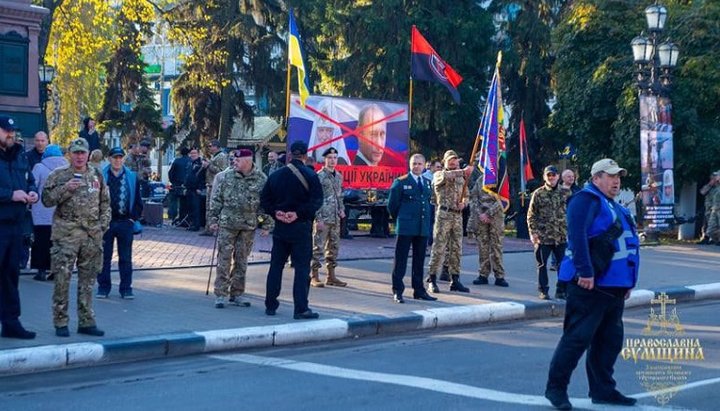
(371,137)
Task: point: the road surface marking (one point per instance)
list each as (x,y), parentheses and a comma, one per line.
(426,383)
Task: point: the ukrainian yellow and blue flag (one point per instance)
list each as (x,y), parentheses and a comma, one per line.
(296,58)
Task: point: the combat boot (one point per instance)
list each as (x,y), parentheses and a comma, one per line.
(445,274)
(332,280)
(315,279)
(432,284)
(456,285)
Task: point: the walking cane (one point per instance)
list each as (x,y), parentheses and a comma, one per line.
(212,263)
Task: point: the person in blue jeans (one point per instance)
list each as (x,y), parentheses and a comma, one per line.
(126,206)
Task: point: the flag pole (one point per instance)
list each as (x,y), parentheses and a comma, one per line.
(479,136)
(410,104)
(287,92)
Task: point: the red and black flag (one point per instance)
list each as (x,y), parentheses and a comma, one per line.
(427,65)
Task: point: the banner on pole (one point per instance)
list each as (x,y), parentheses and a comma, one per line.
(656,163)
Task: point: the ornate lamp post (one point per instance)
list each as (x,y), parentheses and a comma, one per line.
(654,61)
(47,75)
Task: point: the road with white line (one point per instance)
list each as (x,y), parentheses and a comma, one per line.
(500,367)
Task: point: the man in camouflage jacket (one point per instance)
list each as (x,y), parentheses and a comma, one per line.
(447,232)
(326,231)
(487,223)
(235,211)
(218,162)
(82,215)
(546,219)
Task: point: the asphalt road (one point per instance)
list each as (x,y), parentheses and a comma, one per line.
(501,367)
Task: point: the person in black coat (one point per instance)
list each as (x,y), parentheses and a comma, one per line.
(17,190)
(409,205)
(90,134)
(195,185)
(178,197)
(292,196)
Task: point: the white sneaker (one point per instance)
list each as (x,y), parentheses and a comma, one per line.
(220,302)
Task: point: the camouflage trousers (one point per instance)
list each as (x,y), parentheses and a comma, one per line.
(327,242)
(208,199)
(713,226)
(490,242)
(234,248)
(447,242)
(65,252)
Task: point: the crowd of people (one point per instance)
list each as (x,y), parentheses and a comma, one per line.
(79,210)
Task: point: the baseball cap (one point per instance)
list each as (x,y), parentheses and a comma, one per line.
(116,151)
(298,148)
(215,143)
(7,124)
(449,154)
(609,166)
(79,144)
(550,169)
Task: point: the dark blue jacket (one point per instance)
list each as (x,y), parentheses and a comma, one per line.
(136,205)
(195,177)
(283,191)
(15,174)
(178,171)
(33,157)
(409,205)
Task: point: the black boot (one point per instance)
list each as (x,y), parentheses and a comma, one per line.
(445,274)
(456,285)
(432,284)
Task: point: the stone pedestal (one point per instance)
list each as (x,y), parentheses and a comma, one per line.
(19,81)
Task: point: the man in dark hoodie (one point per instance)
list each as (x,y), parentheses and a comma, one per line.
(17,190)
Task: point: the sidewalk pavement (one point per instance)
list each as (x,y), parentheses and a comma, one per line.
(172,316)
(174,247)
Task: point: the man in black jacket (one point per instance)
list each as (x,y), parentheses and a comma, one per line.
(17,190)
(176,175)
(292,196)
(195,185)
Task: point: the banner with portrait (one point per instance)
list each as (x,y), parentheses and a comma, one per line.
(656,163)
(371,137)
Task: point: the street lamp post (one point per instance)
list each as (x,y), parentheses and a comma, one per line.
(47,75)
(654,60)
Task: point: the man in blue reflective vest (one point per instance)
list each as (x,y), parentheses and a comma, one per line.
(601,267)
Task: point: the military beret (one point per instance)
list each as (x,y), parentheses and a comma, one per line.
(243,152)
(330,150)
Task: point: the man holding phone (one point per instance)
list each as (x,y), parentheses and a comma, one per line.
(81,218)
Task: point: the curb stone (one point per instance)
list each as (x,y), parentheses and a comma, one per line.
(63,356)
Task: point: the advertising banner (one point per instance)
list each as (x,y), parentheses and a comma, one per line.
(656,163)
(371,137)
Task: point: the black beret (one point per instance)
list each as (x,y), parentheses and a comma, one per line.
(330,150)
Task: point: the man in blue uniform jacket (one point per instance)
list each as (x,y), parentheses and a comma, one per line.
(601,267)
(409,205)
